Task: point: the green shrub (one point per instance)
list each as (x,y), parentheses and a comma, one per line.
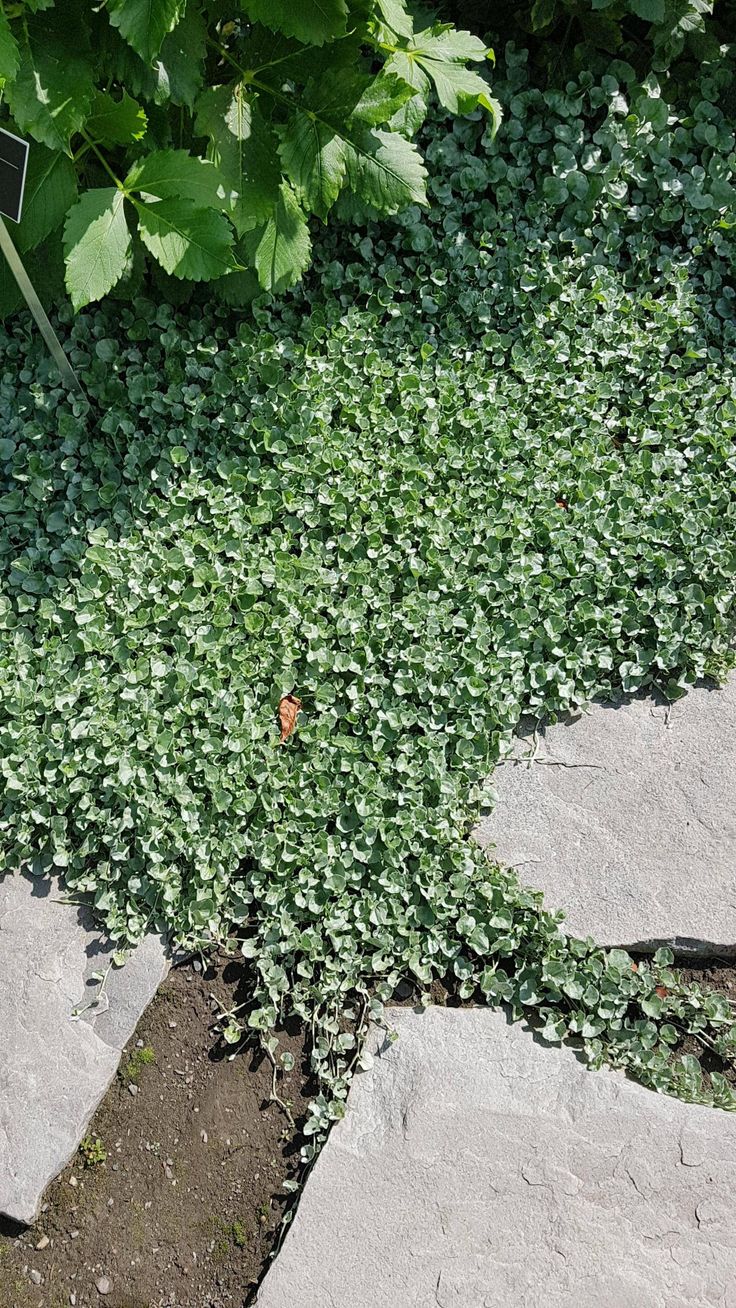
(480,463)
(202,137)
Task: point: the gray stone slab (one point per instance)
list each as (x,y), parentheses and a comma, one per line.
(627,821)
(477,1169)
(55,1068)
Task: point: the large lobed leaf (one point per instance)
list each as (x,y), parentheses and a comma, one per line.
(145,23)
(189,242)
(386,171)
(310,21)
(438,56)
(9,52)
(244,148)
(51,93)
(175,75)
(284,248)
(96,245)
(314,157)
(395,16)
(116,121)
(176,174)
(51,186)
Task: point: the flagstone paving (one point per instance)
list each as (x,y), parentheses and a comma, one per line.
(478,1169)
(54,1069)
(626,819)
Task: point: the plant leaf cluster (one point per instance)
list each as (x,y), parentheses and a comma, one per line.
(564,37)
(198,138)
(480,464)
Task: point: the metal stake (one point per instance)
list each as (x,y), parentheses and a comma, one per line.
(68,375)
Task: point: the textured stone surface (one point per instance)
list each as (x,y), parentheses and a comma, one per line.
(636,837)
(54,1069)
(476,1169)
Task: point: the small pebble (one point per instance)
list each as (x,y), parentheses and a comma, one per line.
(110,1203)
(197,965)
(205,1137)
(72,1180)
(139,1044)
(133,1089)
(43,1242)
(72,1299)
(73,1235)
(172,1026)
(104,1285)
(35,1277)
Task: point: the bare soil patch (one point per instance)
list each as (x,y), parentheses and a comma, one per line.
(713,974)
(184,1210)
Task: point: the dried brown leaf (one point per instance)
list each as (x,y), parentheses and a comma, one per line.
(289,706)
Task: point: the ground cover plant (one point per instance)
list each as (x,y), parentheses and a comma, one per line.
(195,138)
(481,464)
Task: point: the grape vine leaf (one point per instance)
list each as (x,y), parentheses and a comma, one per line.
(245,150)
(310,21)
(284,248)
(314,158)
(176,73)
(176,174)
(352,96)
(395,16)
(9,52)
(382,98)
(96,245)
(145,23)
(52,90)
(652,11)
(386,171)
(189,242)
(438,55)
(460,90)
(51,187)
(180,63)
(116,122)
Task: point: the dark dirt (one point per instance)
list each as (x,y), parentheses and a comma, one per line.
(713,975)
(186,1207)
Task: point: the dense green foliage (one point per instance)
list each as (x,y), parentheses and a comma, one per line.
(566,36)
(481,463)
(197,137)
